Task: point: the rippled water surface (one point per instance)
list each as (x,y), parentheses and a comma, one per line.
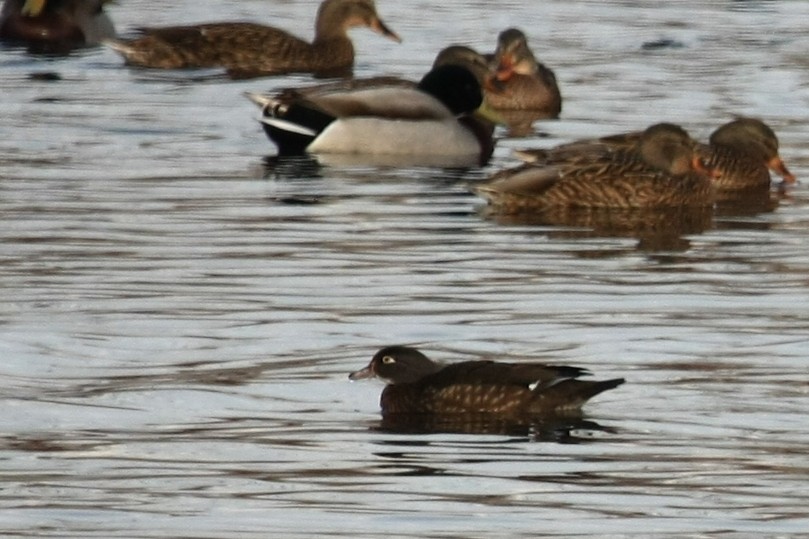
(179,314)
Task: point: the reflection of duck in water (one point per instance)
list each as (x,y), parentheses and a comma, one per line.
(248,49)
(418,385)
(435,119)
(661,170)
(55,25)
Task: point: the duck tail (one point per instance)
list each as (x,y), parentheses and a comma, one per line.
(571,394)
(292,126)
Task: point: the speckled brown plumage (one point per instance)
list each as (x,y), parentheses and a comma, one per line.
(662,171)
(249,49)
(418,385)
(55,25)
(524,83)
(743,152)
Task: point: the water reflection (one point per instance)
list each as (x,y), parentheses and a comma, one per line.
(657,229)
(561,428)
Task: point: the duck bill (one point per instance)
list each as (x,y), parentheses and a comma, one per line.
(381,28)
(362,374)
(505,68)
(485,112)
(492,84)
(778,166)
(32,8)
(700,167)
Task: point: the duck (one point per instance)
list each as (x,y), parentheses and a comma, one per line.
(523,82)
(743,151)
(55,25)
(248,49)
(441,117)
(453,54)
(418,385)
(662,170)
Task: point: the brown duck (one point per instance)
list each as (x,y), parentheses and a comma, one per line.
(248,49)
(525,83)
(743,152)
(55,25)
(662,170)
(419,385)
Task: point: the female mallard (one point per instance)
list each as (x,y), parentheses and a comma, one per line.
(55,25)
(662,170)
(418,385)
(248,49)
(743,152)
(525,84)
(434,119)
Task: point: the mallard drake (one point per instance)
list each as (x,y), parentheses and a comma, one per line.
(434,119)
(55,25)
(418,385)
(248,49)
(662,170)
(524,83)
(743,152)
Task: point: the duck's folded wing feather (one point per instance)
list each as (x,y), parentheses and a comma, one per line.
(392,103)
(526,180)
(490,372)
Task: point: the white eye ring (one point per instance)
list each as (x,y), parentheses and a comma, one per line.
(388,360)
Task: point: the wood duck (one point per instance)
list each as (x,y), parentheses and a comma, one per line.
(419,385)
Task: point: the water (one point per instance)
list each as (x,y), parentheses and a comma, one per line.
(179,317)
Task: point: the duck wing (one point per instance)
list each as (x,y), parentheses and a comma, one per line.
(529,375)
(239,46)
(387,103)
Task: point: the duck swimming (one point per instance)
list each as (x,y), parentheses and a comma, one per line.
(418,385)
(437,118)
(743,152)
(247,49)
(525,83)
(661,170)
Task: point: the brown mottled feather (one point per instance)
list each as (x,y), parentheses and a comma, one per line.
(742,151)
(658,172)
(417,385)
(249,49)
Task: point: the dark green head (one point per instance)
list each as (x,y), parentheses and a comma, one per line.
(455,86)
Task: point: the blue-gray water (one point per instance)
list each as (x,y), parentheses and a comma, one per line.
(177,319)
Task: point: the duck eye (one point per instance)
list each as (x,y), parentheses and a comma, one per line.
(388,360)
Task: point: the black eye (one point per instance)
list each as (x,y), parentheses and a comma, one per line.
(388,360)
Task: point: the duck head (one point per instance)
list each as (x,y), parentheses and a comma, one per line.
(397,365)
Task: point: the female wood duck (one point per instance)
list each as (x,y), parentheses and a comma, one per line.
(524,83)
(55,25)
(248,49)
(661,171)
(743,152)
(435,119)
(418,385)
